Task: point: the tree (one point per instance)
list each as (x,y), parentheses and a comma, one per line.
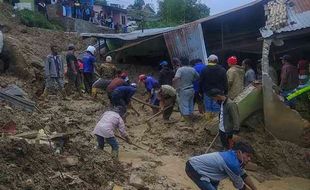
(140,12)
(138,4)
(182,11)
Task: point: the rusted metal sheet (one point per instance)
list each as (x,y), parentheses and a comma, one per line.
(187,42)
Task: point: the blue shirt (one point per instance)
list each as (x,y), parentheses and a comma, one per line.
(126,92)
(199,67)
(218,166)
(88,62)
(149,83)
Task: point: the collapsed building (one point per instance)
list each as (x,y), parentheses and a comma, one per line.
(269,29)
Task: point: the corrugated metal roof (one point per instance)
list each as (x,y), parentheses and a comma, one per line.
(298,18)
(132,35)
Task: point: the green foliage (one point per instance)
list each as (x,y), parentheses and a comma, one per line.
(138,4)
(182,11)
(35,19)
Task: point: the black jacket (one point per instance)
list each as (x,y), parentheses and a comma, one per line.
(213,76)
(165,76)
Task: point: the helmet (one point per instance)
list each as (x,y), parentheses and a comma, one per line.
(124,75)
(232,60)
(108,59)
(133,85)
(91,49)
(163,63)
(142,77)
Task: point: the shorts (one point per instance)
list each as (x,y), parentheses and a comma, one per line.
(211,105)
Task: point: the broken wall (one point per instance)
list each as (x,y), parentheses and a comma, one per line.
(282,121)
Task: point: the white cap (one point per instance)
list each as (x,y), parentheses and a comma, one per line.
(91,49)
(212,58)
(108,59)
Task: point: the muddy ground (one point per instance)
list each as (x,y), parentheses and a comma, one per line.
(30,162)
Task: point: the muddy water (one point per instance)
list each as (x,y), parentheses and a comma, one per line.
(173,168)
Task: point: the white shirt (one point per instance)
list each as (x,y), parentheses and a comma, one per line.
(221,124)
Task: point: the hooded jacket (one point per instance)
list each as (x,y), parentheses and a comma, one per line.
(235,78)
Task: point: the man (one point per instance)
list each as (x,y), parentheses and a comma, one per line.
(121,96)
(235,77)
(229,117)
(104,130)
(73,73)
(199,66)
(184,79)
(208,170)
(149,83)
(54,73)
(167,97)
(213,76)
(289,78)
(101,84)
(250,75)
(107,70)
(89,67)
(116,82)
(166,74)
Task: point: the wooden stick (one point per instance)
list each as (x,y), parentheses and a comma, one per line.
(135,110)
(212,142)
(130,143)
(158,113)
(144,103)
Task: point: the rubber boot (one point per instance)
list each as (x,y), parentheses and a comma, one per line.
(207,116)
(94,92)
(115,154)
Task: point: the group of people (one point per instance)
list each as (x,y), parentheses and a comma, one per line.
(183,81)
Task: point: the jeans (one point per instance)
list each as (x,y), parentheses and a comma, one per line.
(111,141)
(211,105)
(54,83)
(186,101)
(195,177)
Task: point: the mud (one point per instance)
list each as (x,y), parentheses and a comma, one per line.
(32,164)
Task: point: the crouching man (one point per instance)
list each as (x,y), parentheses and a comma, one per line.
(104,130)
(167,97)
(208,170)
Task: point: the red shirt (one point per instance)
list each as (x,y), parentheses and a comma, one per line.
(116,82)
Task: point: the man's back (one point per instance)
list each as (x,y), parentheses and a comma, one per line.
(88,61)
(235,77)
(116,82)
(213,76)
(187,76)
(289,77)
